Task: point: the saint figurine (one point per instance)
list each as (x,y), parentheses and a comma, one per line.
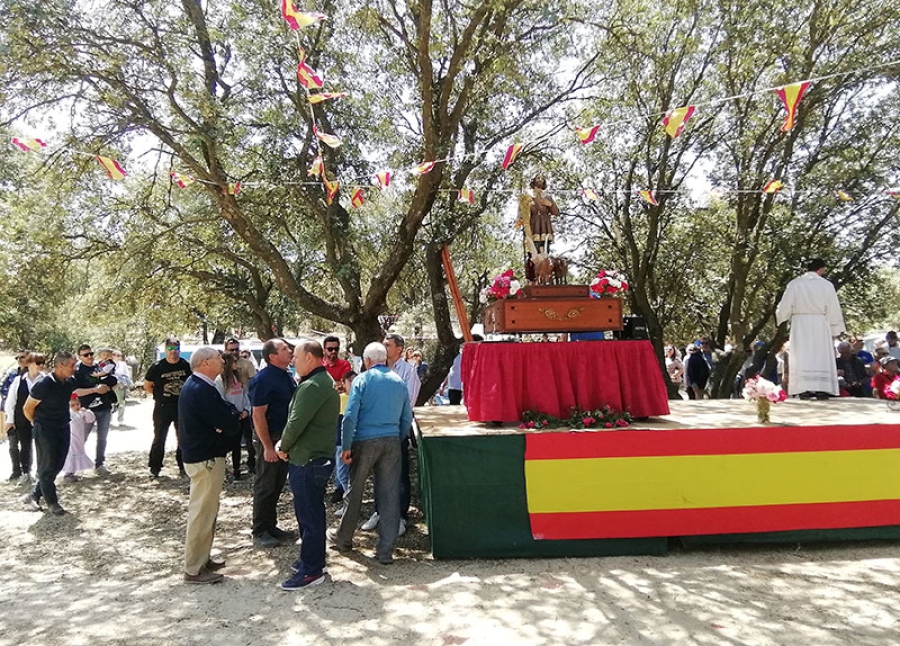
(535,211)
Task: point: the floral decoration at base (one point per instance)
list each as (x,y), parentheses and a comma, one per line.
(503,286)
(892,394)
(608,281)
(605,417)
(764,393)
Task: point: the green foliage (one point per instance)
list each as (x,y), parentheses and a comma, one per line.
(578,418)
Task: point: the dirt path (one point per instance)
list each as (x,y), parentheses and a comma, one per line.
(110,573)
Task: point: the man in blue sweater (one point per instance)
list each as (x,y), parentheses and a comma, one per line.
(208,426)
(377,415)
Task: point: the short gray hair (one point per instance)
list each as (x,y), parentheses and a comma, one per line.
(396,338)
(375,352)
(201,355)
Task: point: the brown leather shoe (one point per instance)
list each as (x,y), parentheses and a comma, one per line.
(214,566)
(203,576)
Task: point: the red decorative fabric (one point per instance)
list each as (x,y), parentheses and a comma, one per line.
(502,380)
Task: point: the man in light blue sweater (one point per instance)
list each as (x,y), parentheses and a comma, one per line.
(377,415)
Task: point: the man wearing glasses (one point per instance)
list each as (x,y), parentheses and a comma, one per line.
(88,376)
(334,365)
(164,381)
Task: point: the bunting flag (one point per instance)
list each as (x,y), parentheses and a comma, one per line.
(590,194)
(182,180)
(846,197)
(331,189)
(324,96)
(894,194)
(308,77)
(27,145)
(424,168)
(466,195)
(790,96)
(511,153)
(317,169)
(773,187)
(677,119)
(112,168)
(586,135)
(357,199)
(232,189)
(329,140)
(648,197)
(384,179)
(299,19)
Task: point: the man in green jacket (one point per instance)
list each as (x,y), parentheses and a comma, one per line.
(307,444)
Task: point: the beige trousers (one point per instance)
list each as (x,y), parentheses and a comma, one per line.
(203,507)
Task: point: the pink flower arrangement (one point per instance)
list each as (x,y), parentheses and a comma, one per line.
(503,286)
(605,417)
(892,390)
(759,388)
(608,282)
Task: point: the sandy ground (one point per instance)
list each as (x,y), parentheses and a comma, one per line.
(110,573)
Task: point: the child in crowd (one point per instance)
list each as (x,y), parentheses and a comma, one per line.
(79,421)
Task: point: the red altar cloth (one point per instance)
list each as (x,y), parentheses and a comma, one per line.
(502,380)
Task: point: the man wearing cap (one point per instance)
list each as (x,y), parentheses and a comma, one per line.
(890,368)
(810,303)
(164,381)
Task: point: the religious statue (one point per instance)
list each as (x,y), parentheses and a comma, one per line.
(535,211)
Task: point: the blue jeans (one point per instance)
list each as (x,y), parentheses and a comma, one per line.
(308,486)
(341,471)
(103,417)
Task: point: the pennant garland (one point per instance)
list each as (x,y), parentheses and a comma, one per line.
(308,77)
(357,199)
(317,169)
(773,187)
(586,135)
(511,153)
(648,197)
(676,120)
(790,96)
(328,139)
(590,194)
(28,145)
(112,168)
(894,194)
(331,189)
(232,189)
(299,19)
(466,195)
(384,179)
(182,180)
(846,197)
(424,168)
(324,96)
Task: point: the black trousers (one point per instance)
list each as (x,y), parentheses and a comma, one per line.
(455,396)
(20,443)
(52,445)
(163,417)
(246,437)
(267,487)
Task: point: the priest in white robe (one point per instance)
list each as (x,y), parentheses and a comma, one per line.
(811,305)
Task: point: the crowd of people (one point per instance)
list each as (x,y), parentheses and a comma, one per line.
(304,418)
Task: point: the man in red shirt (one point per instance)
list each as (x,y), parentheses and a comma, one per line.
(334,365)
(890,368)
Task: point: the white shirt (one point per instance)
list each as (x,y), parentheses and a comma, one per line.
(13,395)
(408,374)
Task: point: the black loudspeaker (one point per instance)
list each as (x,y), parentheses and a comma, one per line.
(633,328)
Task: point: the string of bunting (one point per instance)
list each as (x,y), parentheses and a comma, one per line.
(673,123)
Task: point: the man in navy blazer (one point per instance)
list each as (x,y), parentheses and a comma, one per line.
(208,428)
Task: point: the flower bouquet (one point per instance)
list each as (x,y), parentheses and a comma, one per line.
(764,393)
(608,282)
(892,394)
(503,286)
(578,418)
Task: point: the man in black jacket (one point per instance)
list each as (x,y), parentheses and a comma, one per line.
(208,426)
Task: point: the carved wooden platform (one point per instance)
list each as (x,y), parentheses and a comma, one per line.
(553,308)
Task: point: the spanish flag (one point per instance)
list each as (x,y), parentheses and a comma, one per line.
(308,77)
(324,96)
(846,197)
(424,167)
(112,168)
(677,119)
(384,179)
(27,145)
(713,481)
(466,195)
(232,189)
(648,197)
(773,187)
(357,199)
(511,153)
(317,169)
(182,180)
(590,194)
(894,194)
(586,135)
(328,139)
(790,96)
(331,189)
(299,19)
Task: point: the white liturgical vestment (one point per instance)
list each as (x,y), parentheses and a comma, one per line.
(811,305)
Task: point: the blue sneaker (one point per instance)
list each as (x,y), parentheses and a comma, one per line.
(300,580)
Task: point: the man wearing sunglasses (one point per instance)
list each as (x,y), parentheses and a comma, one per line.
(88,376)
(164,381)
(334,365)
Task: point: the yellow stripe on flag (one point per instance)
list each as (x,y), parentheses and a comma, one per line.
(705,481)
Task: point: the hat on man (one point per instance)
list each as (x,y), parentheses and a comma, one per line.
(886,360)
